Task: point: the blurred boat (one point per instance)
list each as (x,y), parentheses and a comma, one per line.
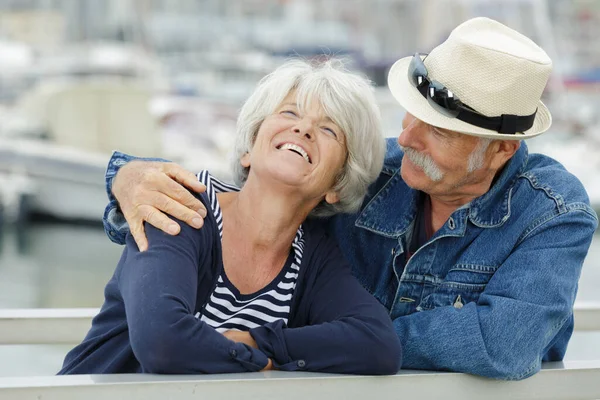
(60,134)
(15,190)
(198,133)
(60,182)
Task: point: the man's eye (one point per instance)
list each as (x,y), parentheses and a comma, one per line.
(436,132)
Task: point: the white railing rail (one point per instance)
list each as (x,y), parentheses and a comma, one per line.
(69,325)
(45,325)
(571,380)
(587,316)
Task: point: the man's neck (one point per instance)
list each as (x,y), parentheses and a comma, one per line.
(441,211)
(442,206)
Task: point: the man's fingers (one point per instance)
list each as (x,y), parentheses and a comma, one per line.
(183,196)
(159,220)
(137,231)
(171,207)
(146,190)
(186,178)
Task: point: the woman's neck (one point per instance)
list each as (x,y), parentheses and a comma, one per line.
(259,226)
(263,219)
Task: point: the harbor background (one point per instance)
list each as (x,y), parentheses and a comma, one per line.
(166,78)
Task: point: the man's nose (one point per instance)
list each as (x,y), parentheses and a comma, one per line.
(411,136)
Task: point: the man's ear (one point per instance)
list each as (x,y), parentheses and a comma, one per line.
(245,160)
(332,197)
(502,151)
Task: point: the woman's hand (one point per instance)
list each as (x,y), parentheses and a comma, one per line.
(247,339)
(269,366)
(241,337)
(147,190)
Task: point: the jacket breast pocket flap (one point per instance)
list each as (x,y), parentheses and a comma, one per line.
(462,284)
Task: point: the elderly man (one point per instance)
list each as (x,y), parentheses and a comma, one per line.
(474,246)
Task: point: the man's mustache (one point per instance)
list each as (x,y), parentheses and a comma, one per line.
(425,162)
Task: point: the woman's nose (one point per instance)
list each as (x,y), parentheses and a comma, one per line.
(304,128)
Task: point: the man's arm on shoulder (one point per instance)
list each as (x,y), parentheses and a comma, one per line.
(529,299)
(114,222)
(145,189)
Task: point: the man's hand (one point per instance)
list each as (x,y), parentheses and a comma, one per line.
(146,190)
(247,339)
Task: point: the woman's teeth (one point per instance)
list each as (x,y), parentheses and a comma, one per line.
(297,149)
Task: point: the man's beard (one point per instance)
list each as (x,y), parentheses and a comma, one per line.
(424,162)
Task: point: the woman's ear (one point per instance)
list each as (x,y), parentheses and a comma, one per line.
(245,160)
(332,197)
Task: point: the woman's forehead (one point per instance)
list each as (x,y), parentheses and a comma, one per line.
(308,101)
(302,98)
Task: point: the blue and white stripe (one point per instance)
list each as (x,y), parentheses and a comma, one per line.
(226,309)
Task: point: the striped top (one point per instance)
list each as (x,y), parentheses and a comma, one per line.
(227,308)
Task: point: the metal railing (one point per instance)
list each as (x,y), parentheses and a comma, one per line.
(45,325)
(69,325)
(569,380)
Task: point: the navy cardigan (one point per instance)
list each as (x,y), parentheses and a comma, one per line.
(147,321)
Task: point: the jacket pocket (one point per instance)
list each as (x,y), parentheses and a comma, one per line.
(463,284)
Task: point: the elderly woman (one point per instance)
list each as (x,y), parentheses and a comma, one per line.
(260,286)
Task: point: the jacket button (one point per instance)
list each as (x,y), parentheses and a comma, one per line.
(451,223)
(458,304)
(301,364)
(233,353)
(393,251)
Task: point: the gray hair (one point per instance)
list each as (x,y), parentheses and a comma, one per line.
(477,156)
(347,98)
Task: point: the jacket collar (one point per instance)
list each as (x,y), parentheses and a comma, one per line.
(493,208)
(393,208)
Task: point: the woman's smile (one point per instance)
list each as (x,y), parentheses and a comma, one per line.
(295,148)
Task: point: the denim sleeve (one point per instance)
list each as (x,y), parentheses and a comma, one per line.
(348,331)
(159,290)
(507,331)
(114,222)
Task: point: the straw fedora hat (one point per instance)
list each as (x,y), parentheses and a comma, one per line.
(489,67)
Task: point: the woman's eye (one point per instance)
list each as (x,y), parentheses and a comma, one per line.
(330,131)
(289,112)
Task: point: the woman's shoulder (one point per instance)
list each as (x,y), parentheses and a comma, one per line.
(315,226)
(320,245)
(214,183)
(207,196)
(202,237)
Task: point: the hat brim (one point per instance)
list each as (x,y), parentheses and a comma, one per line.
(413,102)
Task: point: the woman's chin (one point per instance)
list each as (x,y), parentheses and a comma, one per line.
(285,173)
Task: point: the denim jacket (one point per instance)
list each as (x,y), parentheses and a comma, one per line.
(492,292)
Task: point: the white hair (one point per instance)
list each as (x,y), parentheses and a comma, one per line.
(477,156)
(425,162)
(347,98)
(431,169)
